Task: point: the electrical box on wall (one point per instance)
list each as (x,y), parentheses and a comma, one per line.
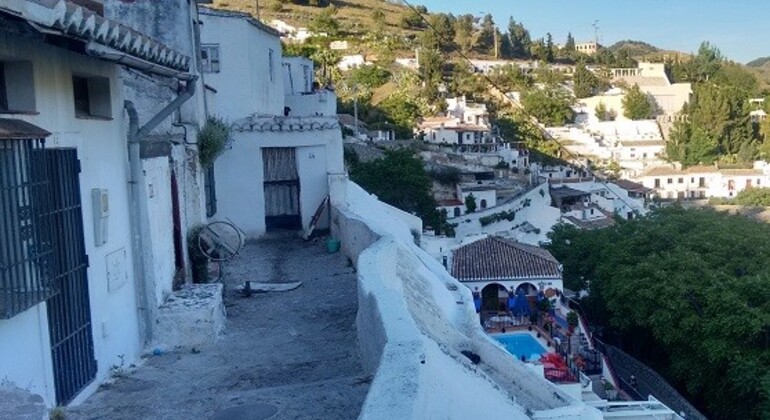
(101,206)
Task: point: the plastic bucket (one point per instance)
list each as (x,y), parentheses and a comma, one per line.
(333,245)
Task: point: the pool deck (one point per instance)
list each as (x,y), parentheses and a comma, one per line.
(284,355)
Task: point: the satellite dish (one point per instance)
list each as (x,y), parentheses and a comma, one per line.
(220,240)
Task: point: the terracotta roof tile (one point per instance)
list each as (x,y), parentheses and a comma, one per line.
(498,258)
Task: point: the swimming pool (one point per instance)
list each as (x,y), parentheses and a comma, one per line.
(521,344)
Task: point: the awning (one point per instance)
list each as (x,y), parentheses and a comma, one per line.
(11,129)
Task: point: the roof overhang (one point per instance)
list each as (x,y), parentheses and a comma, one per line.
(13,129)
(103,38)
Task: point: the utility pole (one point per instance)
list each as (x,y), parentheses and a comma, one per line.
(497,47)
(256,7)
(596,31)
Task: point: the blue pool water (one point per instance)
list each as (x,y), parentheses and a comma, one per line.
(521,344)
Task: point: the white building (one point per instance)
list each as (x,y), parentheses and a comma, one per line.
(285,142)
(504,265)
(634,145)
(466,125)
(673,182)
(589,48)
(354,61)
(65,185)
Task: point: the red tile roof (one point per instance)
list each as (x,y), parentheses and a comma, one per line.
(495,258)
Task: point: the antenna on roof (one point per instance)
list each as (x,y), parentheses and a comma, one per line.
(256,7)
(596,31)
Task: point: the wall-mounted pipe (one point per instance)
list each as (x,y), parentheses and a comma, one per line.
(136,135)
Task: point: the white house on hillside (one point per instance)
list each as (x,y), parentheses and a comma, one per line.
(672,182)
(285,141)
(76,206)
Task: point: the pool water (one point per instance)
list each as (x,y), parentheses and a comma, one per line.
(521,344)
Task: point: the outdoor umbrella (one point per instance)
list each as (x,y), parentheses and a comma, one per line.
(520,305)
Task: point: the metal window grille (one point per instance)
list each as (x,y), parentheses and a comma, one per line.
(26,251)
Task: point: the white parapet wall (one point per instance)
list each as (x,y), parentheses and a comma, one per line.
(414,322)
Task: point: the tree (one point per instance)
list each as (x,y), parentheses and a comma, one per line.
(569,46)
(400,180)
(519,39)
(486,39)
(552,106)
(470,203)
(368,76)
(637,105)
(754,197)
(603,114)
(655,291)
(463,30)
(585,82)
(549,48)
(402,113)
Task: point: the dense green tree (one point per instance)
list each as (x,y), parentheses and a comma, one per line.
(510,78)
(470,203)
(519,38)
(549,53)
(430,73)
(464,33)
(441,34)
(402,113)
(671,290)
(754,197)
(552,106)
(585,82)
(400,180)
(486,36)
(368,76)
(637,105)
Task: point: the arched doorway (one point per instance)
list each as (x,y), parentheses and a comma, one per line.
(494,296)
(457,212)
(529,289)
(483,204)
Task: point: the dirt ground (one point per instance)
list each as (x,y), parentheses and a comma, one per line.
(284,355)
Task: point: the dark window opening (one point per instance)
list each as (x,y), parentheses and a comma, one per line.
(211,191)
(91,97)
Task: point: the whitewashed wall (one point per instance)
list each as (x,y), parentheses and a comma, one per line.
(101,145)
(239,174)
(244,80)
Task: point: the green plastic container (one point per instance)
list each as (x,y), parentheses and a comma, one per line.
(333,245)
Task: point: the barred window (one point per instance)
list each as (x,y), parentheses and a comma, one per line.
(26,256)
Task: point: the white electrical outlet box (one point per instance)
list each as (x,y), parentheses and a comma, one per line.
(101,207)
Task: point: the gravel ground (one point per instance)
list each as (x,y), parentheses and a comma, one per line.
(292,353)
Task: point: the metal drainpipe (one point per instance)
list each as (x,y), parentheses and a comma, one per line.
(136,136)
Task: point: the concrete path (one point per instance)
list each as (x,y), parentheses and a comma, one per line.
(284,355)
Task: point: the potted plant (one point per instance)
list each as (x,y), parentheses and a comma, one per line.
(612,393)
(572,321)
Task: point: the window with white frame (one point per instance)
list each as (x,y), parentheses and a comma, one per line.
(210,58)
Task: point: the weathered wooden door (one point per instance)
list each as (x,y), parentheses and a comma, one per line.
(281,184)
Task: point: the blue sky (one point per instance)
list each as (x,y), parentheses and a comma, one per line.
(739,28)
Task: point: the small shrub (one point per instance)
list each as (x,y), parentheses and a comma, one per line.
(509,215)
(212,140)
